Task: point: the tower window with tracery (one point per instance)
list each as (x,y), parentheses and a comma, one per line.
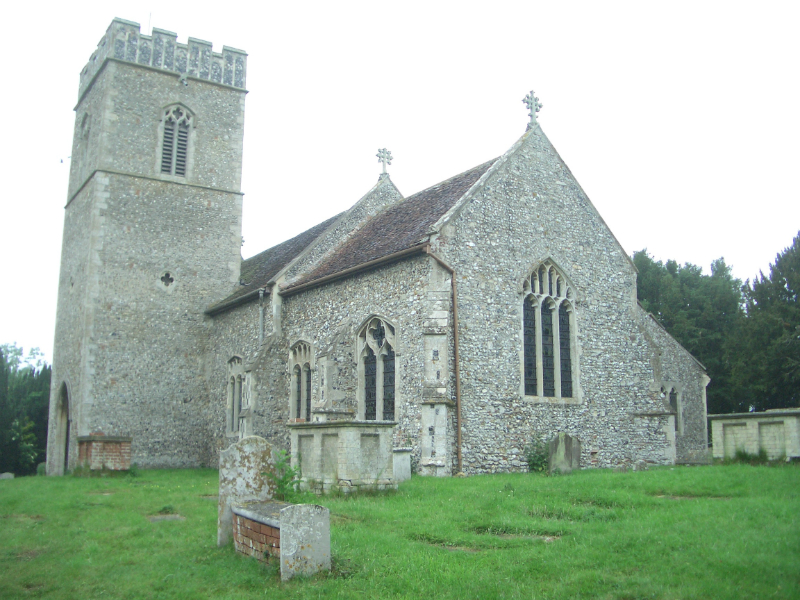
(175,141)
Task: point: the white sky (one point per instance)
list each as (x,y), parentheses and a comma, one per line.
(679,119)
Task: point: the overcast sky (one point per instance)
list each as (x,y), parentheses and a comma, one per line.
(679,119)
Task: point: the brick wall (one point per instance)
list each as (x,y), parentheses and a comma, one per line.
(254,539)
(100,452)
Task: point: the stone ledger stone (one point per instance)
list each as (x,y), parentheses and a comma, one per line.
(305,540)
(564,453)
(242,478)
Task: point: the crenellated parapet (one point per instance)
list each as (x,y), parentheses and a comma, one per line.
(124,41)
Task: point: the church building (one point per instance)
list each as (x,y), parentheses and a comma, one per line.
(455,325)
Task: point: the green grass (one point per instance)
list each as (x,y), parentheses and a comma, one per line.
(724,531)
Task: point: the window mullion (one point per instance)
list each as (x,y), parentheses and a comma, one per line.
(539,361)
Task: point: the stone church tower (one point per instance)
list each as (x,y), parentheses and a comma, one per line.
(152,236)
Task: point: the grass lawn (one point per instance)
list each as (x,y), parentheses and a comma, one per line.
(729,531)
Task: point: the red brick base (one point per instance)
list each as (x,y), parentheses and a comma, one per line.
(255,539)
(104,452)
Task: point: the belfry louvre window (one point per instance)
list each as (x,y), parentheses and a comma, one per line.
(548,334)
(376,371)
(175,143)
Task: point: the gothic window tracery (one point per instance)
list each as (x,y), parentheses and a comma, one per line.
(177,125)
(548,334)
(300,365)
(377,370)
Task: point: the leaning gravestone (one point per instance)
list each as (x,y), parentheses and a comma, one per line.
(242,479)
(564,453)
(305,540)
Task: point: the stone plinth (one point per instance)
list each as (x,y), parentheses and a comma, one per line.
(349,455)
(98,452)
(242,468)
(564,453)
(776,432)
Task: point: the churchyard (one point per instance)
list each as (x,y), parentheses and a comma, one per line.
(722,531)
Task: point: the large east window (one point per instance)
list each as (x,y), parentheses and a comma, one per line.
(548,335)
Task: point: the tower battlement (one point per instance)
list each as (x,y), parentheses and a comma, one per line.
(124,41)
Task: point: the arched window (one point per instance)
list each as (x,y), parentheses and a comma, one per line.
(237,382)
(301,361)
(307,389)
(376,370)
(548,334)
(672,396)
(177,126)
(298,391)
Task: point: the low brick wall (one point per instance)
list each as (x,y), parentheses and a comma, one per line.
(257,530)
(104,452)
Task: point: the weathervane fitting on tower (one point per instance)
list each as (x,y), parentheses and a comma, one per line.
(533,104)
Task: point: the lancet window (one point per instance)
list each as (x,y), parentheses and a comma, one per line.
(236,394)
(177,126)
(301,366)
(376,369)
(672,397)
(548,334)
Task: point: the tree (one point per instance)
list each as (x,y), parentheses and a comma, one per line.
(701,311)
(767,369)
(24,403)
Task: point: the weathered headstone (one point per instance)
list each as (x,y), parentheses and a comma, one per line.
(241,479)
(305,540)
(564,453)
(6,476)
(401,460)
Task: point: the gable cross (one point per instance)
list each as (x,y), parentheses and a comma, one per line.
(385,157)
(533,104)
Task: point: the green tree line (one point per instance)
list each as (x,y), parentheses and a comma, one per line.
(746,334)
(24,401)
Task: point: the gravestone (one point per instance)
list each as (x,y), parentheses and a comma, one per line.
(402,464)
(305,540)
(564,453)
(241,479)
(6,476)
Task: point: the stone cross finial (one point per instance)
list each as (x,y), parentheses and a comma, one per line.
(533,104)
(385,157)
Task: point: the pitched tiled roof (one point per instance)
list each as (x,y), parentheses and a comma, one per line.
(399,227)
(259,269)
